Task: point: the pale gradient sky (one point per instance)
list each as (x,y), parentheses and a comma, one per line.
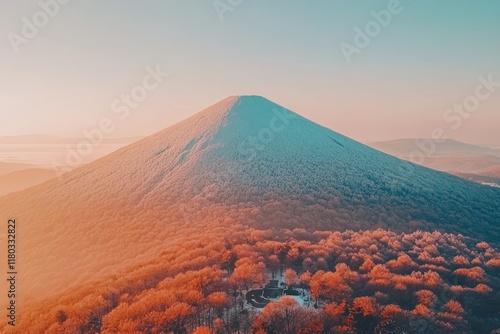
(92,51)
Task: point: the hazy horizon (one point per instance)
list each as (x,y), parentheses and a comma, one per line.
(65,78)
(139,137)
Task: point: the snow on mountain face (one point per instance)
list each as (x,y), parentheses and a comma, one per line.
(244,160)
(265,154)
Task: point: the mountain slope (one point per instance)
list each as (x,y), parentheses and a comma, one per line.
(244,160)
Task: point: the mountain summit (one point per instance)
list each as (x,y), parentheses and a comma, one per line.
(244,160)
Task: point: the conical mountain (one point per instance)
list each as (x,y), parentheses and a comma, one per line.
(244,160)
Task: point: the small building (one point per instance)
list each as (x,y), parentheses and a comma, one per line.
(273,284)
(272,291)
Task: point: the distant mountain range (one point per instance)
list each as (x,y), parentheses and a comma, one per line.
(446,147)
(29,158)
(52,140)
(494,172)
(244,160)
(472,162)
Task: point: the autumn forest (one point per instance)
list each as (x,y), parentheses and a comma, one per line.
(361,282)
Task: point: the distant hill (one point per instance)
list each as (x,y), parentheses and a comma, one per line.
(483,179)
(43,151)
(449,156)
(448,147)
(22,179)
(6,168)
(45,139)
(17,177)
(493,172)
